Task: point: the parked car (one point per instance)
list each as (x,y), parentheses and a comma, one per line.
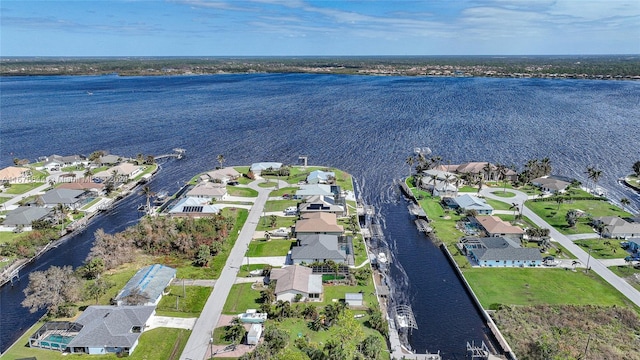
(291,210)
(280,232)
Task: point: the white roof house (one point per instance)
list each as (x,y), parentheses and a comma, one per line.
(257,168)
(194,207)
(320,177)
(296,279)
(208,190)
(467,202)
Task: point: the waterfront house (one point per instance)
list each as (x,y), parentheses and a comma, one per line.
(53,165)
(147,286)
(616,227)
(295,279)
(193,207)
(318,223)
(258,168)
(467,202)
(108,160)
(439,182)
(306,191)
(500,252)
(66,161)
(208,190)
(123,172)
(224,175)
(477,169)
(550,185)
(493,226)
(15,175)
(98,330)
(312,248)
(321,177)
(25,216)
(323,203)
(68,197)
(83,184)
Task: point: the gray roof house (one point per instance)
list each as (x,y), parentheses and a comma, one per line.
(500,252)
(322,203)
(209,190)
(317,248)
(147,286)
(296,279)
(109,160)
(550,185)
(223,175)
(69,197)
(468,202)
(314,190)
(25,215)
(616,227)
(98,330)
(193,207)
(320,177)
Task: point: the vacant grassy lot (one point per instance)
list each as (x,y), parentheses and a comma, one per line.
(526,286)
(281,221)
(189,306)
(554,214)
(241,297)
(630,274)
(241,191)
(286,190)
(159,343)
(17,189)
(279,205)
(603,249)
(275,247)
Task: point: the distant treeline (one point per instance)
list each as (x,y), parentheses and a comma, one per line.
(593,67)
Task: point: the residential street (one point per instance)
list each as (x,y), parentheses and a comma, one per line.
(589,262)
(199,344)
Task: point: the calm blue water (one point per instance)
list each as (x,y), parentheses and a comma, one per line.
(364,125)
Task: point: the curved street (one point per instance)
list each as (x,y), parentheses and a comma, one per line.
(585,258)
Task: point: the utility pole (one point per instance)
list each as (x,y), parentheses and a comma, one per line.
(589,258)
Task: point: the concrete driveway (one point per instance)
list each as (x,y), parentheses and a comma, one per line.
(171,322)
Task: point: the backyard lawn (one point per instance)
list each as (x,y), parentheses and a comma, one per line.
(241,191)
(527,286)
(279,205)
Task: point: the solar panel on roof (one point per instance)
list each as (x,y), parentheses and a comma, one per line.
(192,209)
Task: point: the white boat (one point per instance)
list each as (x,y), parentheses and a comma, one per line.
(382,258)
(253,316)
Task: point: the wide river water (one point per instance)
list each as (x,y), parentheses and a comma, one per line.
(366,126)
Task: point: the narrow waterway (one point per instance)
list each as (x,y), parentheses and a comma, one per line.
(423,278)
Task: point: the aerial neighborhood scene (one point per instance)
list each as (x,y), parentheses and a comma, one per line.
(319,180)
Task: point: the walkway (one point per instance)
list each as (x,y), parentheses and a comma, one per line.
(198,346)
(585,258)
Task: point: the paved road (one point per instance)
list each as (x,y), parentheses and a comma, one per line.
(597,266)
(198,346)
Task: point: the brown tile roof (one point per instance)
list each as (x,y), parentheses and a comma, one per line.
(293,277)
(81,185)
(318,222)
(495,225)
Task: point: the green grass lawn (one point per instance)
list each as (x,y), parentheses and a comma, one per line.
(503,194)
(191,306)
(603,249)
(499,205)
(8,236)
(17,189)
(241,297)
(337,292)
(241,191)
(359,250)
(286,190)
(4,199)
(275,247)
(555,215)
(279,205)
(526,286)
(159,343)
(281,221)
(628,273)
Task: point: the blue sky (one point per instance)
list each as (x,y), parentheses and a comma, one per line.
(307,28)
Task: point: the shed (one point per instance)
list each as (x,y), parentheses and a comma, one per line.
(353,299)
(254,334)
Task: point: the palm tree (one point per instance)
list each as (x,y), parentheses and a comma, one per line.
(146,191)
(636,168)
(410,161)
(515,208)
(572,217)
(487,170)
(545,166)
(88,173)
(625,201)
(221,159)
(559,200)
(502,175)
(594,175)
